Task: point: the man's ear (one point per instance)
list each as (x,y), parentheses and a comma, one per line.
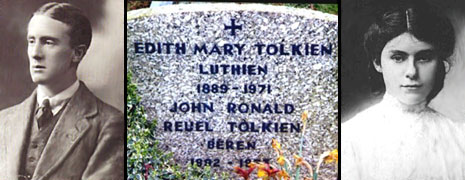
(377,66)
(79,52)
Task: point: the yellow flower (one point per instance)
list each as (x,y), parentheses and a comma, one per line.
(333,156)
(275,144)
(281,160)
(262,173)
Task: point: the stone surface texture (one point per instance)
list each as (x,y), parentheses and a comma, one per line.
(308,82)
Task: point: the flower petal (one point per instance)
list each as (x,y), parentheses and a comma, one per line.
(262,173)
(298,160)
(275,144)
(281,160)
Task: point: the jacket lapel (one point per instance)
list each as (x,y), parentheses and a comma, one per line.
(69,130)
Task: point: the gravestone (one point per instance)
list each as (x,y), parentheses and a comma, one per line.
(222,80)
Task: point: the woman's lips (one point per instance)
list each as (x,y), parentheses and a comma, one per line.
(411,86)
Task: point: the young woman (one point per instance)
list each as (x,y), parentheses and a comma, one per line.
(401,137)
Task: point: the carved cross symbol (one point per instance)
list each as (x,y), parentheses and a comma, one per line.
(233,27)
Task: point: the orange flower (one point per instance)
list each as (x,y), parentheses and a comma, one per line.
(333,156)
(265,171)
(305,115)
(243,173)
(283,175)
(327,157)
(262,166)
(281,161)
(298,160)
(252,165)
(304,120)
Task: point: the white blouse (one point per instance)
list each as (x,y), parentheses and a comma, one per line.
(392,141)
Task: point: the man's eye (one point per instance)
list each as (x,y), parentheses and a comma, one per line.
(30,41)
(398,58)
(49,42)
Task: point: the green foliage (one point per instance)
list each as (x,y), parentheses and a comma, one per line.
(142,148)
(298,5)
(327,8)
(137,5)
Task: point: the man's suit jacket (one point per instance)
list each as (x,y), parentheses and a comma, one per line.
(87,142)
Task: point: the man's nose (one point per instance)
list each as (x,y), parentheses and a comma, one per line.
(411,70)
(36,51)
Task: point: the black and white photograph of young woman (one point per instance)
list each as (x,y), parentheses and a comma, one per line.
(403,89)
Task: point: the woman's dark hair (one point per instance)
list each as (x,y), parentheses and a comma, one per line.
(424,23)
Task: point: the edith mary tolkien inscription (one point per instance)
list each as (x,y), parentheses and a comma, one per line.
(223,80)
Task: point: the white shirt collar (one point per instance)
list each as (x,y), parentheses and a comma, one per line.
(393,102)
(57,101)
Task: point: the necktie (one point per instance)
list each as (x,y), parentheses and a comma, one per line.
(44,114)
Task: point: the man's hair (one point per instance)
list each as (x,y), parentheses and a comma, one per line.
(424,23)
(80,28)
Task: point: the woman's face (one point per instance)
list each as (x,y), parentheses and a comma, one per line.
(409,68)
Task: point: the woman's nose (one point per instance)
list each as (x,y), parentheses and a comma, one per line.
(411,71)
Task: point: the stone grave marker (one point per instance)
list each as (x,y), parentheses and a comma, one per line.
(222,80)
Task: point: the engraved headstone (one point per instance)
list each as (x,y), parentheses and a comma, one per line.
(222,80)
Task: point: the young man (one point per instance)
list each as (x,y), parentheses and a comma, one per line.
(62,131)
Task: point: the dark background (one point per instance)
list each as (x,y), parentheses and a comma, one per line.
(102,69)
(356,94)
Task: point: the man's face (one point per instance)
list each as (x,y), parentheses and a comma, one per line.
(49,50)
(409,68)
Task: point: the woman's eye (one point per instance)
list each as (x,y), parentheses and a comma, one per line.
(397,58)
(425,59)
